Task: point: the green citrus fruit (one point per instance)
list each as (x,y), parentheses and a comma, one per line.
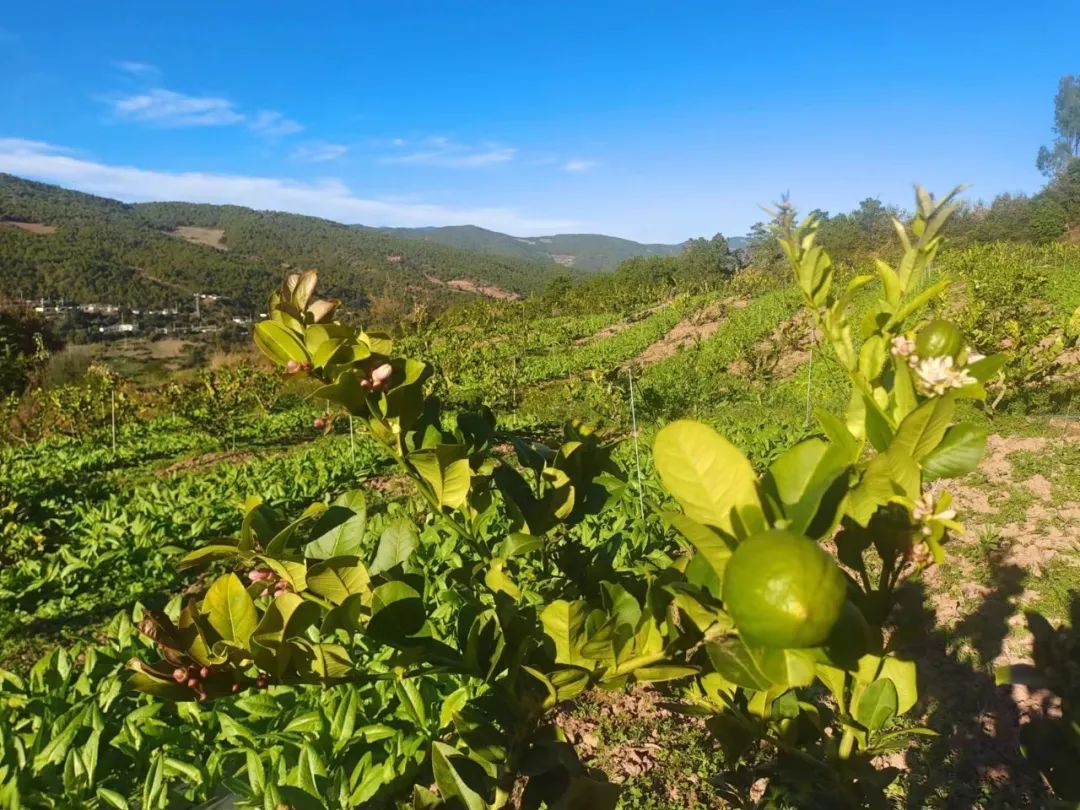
(782,590)
(938,339)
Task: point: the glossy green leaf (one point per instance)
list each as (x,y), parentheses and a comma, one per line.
(707,475)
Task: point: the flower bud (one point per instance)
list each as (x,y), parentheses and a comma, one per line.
(204,672)
(293,367)
(262,682)
(365,384)
(320,423)
(179,675)
(381,374)
(193,683)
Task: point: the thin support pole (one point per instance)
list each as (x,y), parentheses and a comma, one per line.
(352,443)
(809,379)
(637,454)
(112,402)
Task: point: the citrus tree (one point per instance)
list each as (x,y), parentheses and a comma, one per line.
(448,633)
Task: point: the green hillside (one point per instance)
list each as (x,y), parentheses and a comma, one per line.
(59,243)
(582,251)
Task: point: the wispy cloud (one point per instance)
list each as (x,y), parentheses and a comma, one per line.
(161,107)
(268,122)
(142,69)
(330,198)
(166,108)
(578,165)
(319,152)
(440,151)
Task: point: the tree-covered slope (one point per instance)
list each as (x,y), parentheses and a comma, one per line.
(105,250)
(582,251)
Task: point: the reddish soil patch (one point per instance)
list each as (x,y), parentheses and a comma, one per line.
(469,286)
(698,327)
(30,227)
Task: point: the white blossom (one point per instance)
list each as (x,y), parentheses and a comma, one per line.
(936,375)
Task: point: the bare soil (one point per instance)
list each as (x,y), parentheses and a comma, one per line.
(211,237)
(39,228)
(698,327)
(469,286)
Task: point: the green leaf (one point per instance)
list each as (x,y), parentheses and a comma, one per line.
(801,477)
(397,612)
(670,672)
(286,617)
(788,667)
(451,783)
(708,476)
(958,454)
(877,705)
(60,742)
(230,611)
(338,579)
(279,344)
(446,470)
(398,540)
(734,662)
(923,429)
(903,676)
(887,477)
(207,554)
(564,624)
(112,798)
(340,529)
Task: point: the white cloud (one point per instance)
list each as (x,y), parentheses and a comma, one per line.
(329,198)
(440,151)
(319,152)
(268,122)
(137,68)
(168,109)
(578,165)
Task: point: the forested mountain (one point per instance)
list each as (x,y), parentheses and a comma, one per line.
(582,251)
(59,243)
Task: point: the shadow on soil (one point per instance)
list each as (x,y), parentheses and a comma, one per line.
(976,760)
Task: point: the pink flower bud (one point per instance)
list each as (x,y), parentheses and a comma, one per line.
(382,374)
(193,683)
(262,682)
(256,574)
(235,688)
(365,384)
(293,367)
(320,424)
(179,675)
(204,672)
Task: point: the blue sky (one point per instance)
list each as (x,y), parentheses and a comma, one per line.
(654,121)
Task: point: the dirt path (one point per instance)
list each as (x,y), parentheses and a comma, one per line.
(690,331)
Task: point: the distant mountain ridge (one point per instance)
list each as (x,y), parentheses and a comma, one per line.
(58,243)
(588,252)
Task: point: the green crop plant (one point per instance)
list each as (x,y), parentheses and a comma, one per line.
(348,652)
